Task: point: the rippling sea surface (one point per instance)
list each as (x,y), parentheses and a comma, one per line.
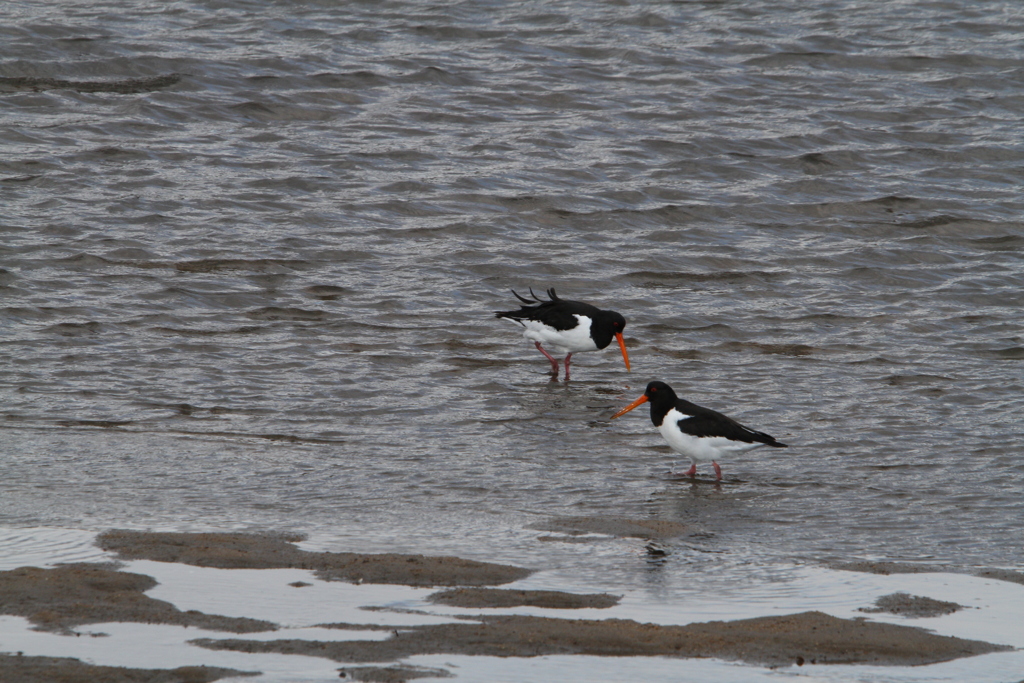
(250,254)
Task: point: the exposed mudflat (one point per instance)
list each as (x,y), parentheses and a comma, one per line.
(390,674)
(886,568)
(498,597)
(909,605)
(1001,575)
(276,551)
(19,669)
(808,637)
(61,598)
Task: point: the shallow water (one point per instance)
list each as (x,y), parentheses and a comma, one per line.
(250,252)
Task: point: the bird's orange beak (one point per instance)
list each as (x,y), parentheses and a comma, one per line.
(634,404)
(622,345)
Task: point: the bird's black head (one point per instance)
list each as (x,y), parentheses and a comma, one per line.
(662,400)
(607,325)
(614,323)
(659,392)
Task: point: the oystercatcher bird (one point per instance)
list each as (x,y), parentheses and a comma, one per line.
(701,434)
(567,326)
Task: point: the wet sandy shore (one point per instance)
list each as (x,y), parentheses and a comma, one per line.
(886,568)
(61,598)
(912,606)
(276,551)
(811,637)
(390,674)
(496,597)
(18,669)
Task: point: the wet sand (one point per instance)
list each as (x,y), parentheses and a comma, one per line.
(886,568)
(18,669)
(61,598)
(390,674)
(277,551)
(811,637)
(496,597)
(912,606)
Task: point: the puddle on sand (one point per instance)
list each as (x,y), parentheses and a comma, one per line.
(991,614)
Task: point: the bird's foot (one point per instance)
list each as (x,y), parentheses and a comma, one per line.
(718,471)
(692,472)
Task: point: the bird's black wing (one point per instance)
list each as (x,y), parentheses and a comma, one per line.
(710,423)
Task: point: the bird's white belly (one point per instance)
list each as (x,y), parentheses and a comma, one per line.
(699,449)
(567,341)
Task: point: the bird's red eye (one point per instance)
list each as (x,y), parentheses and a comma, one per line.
(653,390)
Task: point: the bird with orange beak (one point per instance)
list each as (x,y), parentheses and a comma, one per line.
(567,326)
(701,434)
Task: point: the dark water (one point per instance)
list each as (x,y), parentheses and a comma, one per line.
(250,254)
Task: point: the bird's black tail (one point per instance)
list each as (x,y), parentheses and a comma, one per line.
(766,439)
(532,304)
(770,441)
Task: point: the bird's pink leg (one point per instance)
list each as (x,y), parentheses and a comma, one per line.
(567,365)
(554,363)
(692,472)
(718,470)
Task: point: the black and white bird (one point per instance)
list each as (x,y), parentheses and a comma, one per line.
(701,434)
(566,326)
